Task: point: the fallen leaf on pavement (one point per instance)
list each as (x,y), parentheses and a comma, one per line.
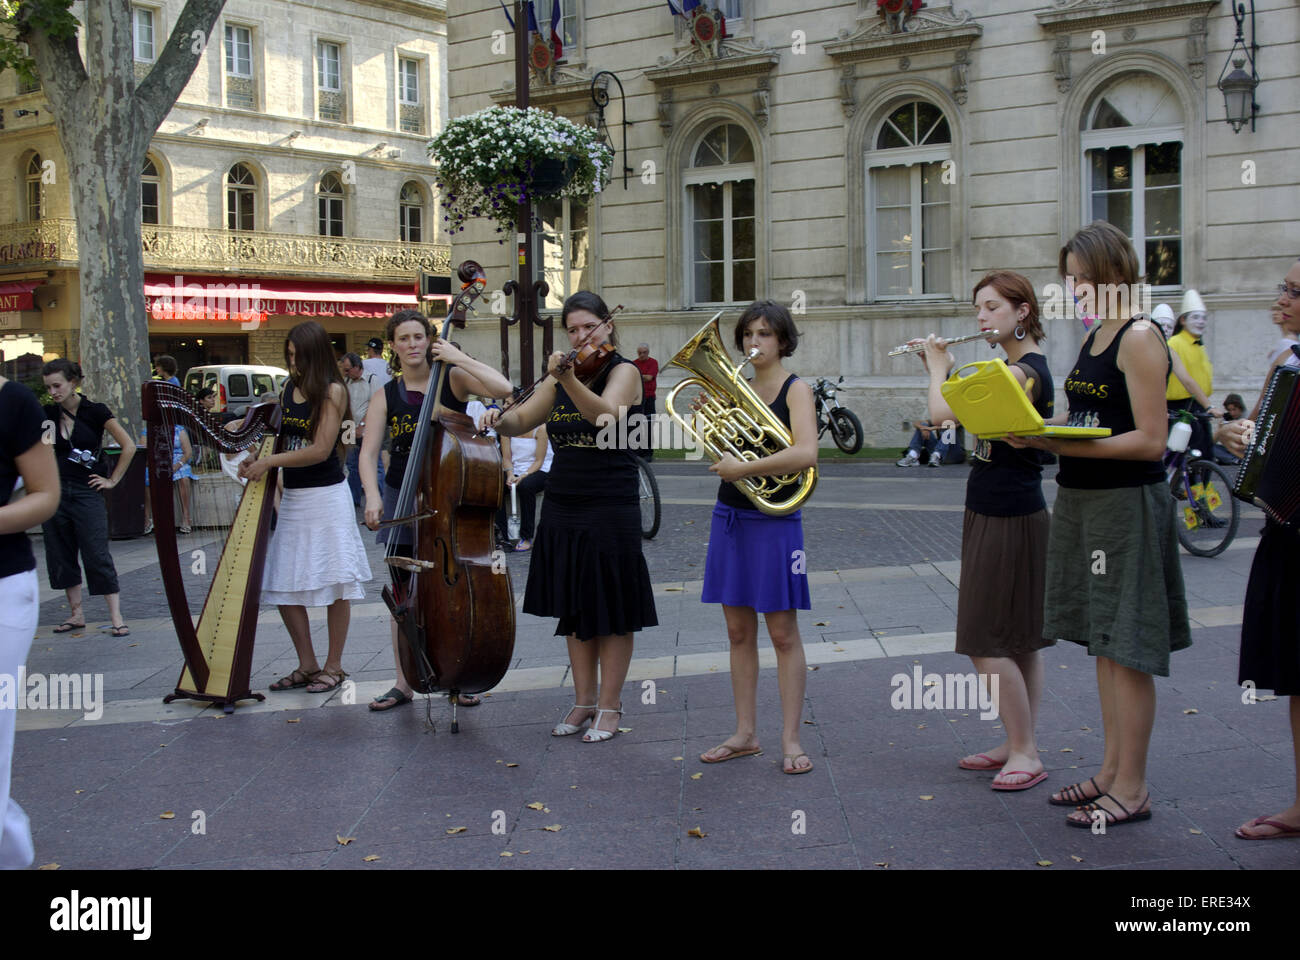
(79,791)
(672,589)
(553,828)
(536,806)
(927,796)
(294,720)
(506,853)
(371,858)
(512,764)
(48,866)
(624,729)
(674,758)
(696,776)
(1195,831)
(882,863)
(697,833)
(457,830)
(1076,859)
(1044,863)
(167,816)
(343,841)
(1067,750)
(1191,711)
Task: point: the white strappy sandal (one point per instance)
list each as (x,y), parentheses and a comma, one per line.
(594,734)
(563,729)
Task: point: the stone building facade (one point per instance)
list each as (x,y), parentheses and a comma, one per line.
(868,170)
(294,162)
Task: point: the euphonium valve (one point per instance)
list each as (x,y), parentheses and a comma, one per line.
(732,419)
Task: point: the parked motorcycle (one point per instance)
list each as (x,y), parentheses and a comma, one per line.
(846,429)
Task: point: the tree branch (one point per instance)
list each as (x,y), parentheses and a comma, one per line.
(158,92)
(58,61)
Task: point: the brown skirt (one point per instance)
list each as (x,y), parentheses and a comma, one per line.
(1003,572)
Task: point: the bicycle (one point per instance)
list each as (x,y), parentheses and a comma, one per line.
(649,493)
(845,427)
(1210,513)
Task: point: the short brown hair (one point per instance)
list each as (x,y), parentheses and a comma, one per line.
(1016,289)
(1105,253)
(777,317)
(390,331)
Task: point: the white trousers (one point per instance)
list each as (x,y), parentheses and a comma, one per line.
(19,614)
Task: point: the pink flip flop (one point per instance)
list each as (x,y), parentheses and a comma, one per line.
(989,763)
(1033,782)
(1287,831)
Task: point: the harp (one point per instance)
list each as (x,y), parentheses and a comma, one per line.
(225,547)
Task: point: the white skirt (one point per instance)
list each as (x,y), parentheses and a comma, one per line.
(315,555)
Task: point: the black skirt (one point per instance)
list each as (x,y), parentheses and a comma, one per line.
(587,569)
(1270,620)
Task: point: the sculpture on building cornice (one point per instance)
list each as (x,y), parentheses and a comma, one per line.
(920,20)
(1061,56)
(897,13)
(707,27)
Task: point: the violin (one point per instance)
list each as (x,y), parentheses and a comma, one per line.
(453,604)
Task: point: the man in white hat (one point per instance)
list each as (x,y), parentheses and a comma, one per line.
(1188,343)
(1163,314)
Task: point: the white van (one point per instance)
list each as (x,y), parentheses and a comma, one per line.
(238,386)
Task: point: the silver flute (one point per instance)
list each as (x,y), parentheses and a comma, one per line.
(918,347)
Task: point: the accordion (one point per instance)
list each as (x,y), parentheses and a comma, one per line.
(1270,472)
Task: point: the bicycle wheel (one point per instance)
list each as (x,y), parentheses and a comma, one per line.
(1208,518)
(846,429)
(649,499)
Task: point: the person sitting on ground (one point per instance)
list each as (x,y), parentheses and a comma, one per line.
(927,444)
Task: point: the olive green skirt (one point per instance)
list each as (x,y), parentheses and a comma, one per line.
(1114,582)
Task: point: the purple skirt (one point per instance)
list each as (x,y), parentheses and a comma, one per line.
(756,561)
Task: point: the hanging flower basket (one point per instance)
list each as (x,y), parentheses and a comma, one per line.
(491,161)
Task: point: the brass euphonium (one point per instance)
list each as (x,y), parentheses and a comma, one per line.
(732,419)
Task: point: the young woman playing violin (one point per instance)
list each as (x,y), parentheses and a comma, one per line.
(587,568)
(753,564)
(414,347)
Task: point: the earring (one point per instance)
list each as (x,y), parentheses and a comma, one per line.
(1020,332)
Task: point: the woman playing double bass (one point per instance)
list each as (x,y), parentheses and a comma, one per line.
(397,407)
(587,568)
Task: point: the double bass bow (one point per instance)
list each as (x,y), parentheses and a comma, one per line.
(455,612)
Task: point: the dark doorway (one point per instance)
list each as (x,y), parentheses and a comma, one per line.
(199,350)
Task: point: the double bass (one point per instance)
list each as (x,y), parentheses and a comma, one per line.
(455,612)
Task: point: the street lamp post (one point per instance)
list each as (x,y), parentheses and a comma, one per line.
(527,294)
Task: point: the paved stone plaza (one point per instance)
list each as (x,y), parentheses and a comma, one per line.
(277,784)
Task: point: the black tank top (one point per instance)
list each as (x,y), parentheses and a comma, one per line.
(403,415)
(1098,397)
(588,458)
(729,494)
(1004,481)
(297,429)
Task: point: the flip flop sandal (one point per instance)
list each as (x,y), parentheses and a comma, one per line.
(1288,832)
(733,753)
(1110,818)
(469,700)
(299,678)
(1033,781)
(394,694)
(67,626)
(989,764)
(1072,796)
(794,770)
(122,631)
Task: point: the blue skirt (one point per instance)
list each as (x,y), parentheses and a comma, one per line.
(756,561)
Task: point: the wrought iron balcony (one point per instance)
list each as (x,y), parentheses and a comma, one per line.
(51,243)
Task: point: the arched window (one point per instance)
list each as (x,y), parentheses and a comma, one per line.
(1132,139)
(720,217)
(241,198)
(329,206)
(410,207)
(150,186)
(909,233)
(35,193)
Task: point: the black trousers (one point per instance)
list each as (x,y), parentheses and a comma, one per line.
(528,489)
(80,526)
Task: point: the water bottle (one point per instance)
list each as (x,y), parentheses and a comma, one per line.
(512,522)
(1181,432)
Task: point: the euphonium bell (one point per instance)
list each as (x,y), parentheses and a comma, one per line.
(733,420)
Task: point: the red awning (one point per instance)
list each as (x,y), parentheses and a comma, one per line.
(17,296)
(178,297)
